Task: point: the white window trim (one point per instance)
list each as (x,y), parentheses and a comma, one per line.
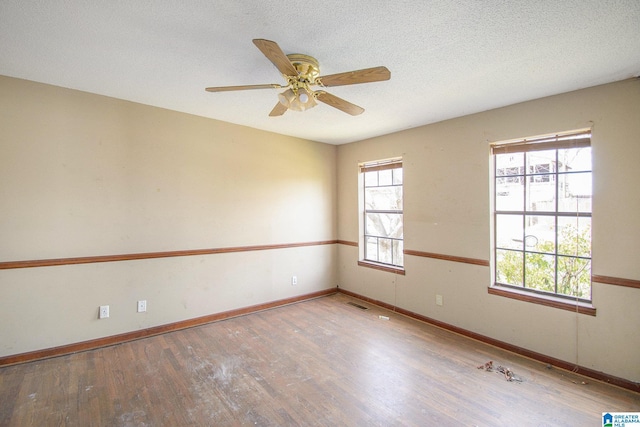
(391,163)
(571,139)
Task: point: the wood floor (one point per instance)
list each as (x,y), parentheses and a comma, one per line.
(317,363)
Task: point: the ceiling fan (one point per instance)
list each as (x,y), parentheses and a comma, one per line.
(302,72)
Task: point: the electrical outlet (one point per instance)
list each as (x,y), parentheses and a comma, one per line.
(104,312)
(142,306)
(294,280)
(439,300)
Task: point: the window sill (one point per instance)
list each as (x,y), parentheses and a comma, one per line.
(382,267)
(549,301)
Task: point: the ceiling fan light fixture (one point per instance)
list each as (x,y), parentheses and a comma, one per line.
(286,97)
(306,98)
(297,100)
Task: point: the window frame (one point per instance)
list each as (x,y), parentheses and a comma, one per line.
(363,260)
(556,142)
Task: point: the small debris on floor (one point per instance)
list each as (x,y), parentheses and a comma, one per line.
(383,317)
(576,382)
(508,373)
(487,366)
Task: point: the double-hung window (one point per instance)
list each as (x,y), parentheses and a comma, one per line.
(382,216)
(542,215)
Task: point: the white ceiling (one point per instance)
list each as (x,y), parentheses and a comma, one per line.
(447,58)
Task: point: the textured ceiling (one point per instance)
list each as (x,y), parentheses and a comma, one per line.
(447,58)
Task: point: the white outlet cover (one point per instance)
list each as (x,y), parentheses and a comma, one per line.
(104,312)
(142,306)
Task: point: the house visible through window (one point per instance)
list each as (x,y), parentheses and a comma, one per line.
(382,240)
(542,215)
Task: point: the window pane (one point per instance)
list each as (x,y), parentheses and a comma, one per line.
(541,195)
(510,193)
(397,176)
(541,161)
(383,198)
(385,249)
(509,164)
(370,179)
(371,248)
(398,254)
(574,192)
(384,225)
(540,272)
(574,277)
(385,177)
(574,236)
(509,267)
(540,233)
(574,159)
(509,231)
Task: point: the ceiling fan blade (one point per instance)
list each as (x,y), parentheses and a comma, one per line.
(273,52)
(278,110)
(246,87)
(367,75)
(339,103)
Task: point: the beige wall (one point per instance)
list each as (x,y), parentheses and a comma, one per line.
(447,211)
(85,175)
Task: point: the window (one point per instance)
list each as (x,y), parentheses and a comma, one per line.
(542,215)
(382,222)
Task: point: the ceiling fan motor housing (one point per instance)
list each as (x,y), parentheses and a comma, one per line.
(307,66)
